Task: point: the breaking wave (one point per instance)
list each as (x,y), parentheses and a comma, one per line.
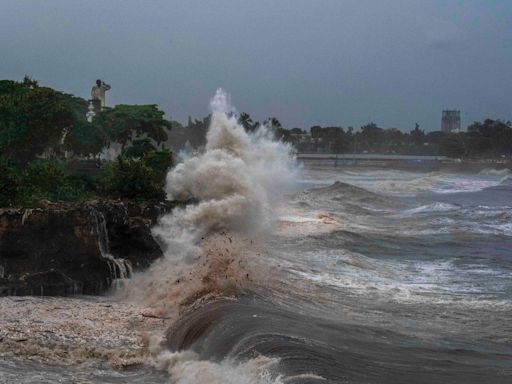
(342,269)
(238,181)
(433,207)
(185,367)
(491,171)
(437,182)
(506,180)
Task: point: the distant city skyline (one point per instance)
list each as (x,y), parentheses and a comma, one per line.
(327,62)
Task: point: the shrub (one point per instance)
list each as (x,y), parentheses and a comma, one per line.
(160,161)
(133,179)
(84,182)
(138,148)
(49,180)
(85,139)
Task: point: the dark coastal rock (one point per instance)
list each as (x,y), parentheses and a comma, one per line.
(67,249)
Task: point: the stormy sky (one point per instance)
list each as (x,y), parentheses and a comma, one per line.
(331,62)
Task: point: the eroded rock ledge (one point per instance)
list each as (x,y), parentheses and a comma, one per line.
(76,248)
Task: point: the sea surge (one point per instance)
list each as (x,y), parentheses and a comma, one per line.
(239,181)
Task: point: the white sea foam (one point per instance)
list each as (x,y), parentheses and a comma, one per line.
(506,180)
(491,171)
(436,182)
(186,368)
(239,181)
(441,280)
(434,207)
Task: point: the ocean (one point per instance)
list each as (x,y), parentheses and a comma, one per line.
(347,275)
(383,276)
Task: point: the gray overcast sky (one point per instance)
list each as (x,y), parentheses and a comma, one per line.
(332,62)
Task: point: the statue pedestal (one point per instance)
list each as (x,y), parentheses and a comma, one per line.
(90,114)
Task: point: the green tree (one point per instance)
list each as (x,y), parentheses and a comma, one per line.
(138,148)
(123,123)
(453,145)
(85,139)
(32,119)
(196,131)
(160,161)
(490,138)
(49,179)
(273,123)
(246,121)
(371,136)
(417,135)
(29,82)
(133,179)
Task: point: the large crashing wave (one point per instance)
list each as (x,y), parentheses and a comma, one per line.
(239,180)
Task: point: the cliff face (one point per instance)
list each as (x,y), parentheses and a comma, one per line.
(67,249)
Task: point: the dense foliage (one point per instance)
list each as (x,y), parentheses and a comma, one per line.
(32,119)
(133,179)
(40,180)
(490,139)
(124,123)
(85,139)
(140,172)
(47,148)
(56,180)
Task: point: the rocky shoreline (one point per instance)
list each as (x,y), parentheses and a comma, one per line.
(68,249)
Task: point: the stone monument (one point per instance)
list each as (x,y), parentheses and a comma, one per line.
(98,95)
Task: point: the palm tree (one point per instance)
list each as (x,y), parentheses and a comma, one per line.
(273,123)
(245,120)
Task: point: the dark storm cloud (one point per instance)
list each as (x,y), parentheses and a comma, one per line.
(306,62)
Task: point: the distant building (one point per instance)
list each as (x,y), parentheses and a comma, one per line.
(450,121)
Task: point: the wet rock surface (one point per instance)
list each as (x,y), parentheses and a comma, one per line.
(79,248)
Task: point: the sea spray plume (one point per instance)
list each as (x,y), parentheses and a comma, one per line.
(221,103)
(238,179)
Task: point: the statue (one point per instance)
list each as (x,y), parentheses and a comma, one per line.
(98,95)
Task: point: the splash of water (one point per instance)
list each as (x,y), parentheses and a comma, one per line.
(239,180)
(186,368)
